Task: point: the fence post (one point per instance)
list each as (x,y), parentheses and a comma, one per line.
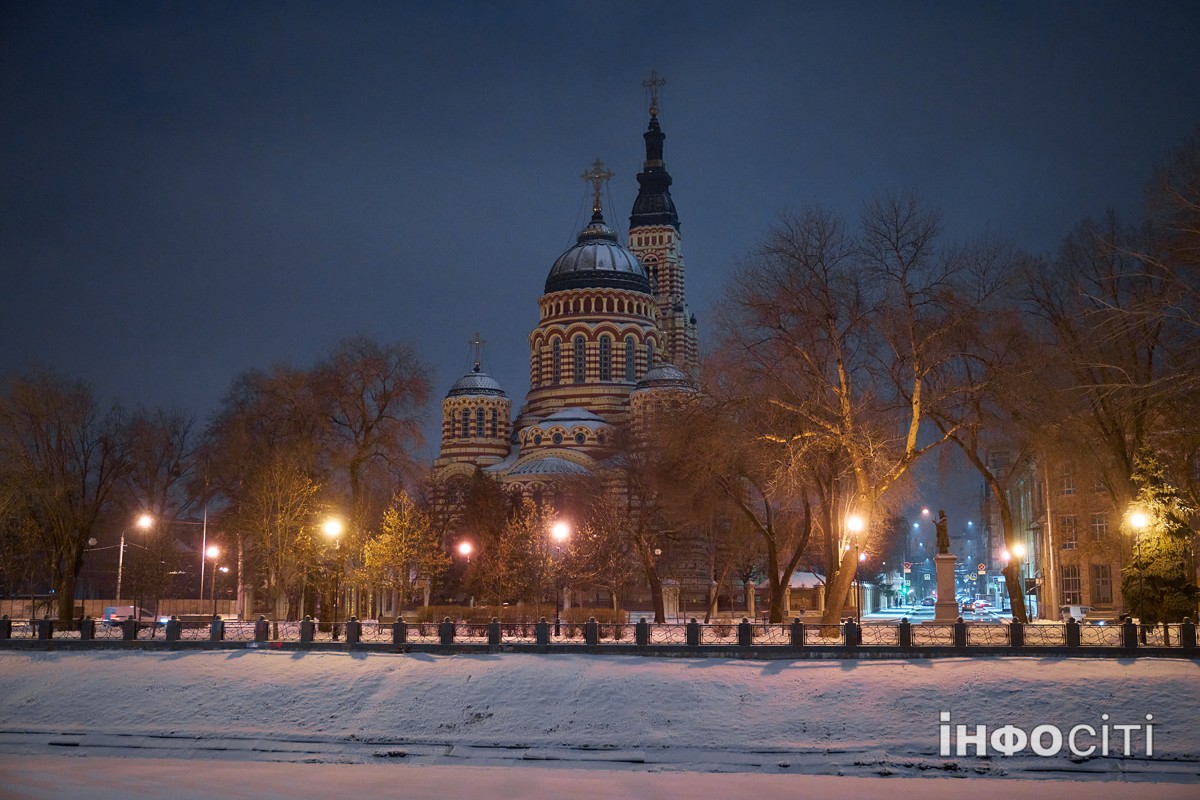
(1187,634)
(129,629)
(1016,634)
(5,627)
(45,628)
(1129,634)
(494,632)
(87,629)
(260,629)
(173,626)
(692,633)
(591,632)
(1073,633)
(745,633)
(308,630)
(905,633)
(960,633)
(541,631)
(797,633)
(216,629)
(399,632)
(641,634)
(852,637)
(446,631)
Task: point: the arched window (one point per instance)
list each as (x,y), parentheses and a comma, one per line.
(479,423)
(649,356)
(466,428)
(537,366)
(605,358)
(555,361)
(493,431)
(630,360)
(453,426)
(580,359)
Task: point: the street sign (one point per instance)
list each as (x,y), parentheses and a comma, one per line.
(907,567)
(982,569)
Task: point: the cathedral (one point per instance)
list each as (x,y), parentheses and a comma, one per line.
(613,343)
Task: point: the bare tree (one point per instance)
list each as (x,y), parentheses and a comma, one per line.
(61,458)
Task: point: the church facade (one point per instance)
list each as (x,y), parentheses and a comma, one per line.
(614,341)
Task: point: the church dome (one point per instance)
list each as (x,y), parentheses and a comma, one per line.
(597,260)
(474,383)
(665,376)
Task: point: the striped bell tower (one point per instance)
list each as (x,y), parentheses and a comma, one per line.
(655,239)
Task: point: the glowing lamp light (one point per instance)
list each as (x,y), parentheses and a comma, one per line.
(145,521)
(1019,550)
(465,548)
(560,531)
(213,552)
(1139,520)
(333,527)
(854,524)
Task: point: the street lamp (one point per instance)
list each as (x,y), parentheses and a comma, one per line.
(145,522)
(333,528)
(1138,520)
(214,553)
(855,524)
(560,531)
(465,549)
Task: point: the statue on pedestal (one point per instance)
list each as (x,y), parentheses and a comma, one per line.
(943,533)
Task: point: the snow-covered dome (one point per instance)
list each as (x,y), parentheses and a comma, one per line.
(476,382)
(665,376)
(597,260)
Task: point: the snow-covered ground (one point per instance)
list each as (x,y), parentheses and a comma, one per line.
(265,723)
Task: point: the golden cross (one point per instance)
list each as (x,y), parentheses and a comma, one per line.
(476,348)
(654,84)
(595,176)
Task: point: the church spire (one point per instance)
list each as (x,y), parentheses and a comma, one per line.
(653,205)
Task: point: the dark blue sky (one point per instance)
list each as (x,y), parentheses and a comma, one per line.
(190,190)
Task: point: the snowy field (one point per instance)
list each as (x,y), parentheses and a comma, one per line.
(263,723)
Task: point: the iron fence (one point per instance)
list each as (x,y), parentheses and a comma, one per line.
(900,636)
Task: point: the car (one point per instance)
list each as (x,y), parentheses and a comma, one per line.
(115,615)
(1076,612)
(967,605)
(983,602)
(929,601)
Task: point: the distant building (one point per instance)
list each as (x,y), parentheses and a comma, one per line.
(1066,520)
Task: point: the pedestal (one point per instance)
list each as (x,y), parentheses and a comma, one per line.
(946,609)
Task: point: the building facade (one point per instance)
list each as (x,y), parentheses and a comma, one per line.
(614,342)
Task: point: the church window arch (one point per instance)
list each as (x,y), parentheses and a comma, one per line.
(606,358)
(479,423)
(453,426)
(580,358)
(537,366)
(630,360)
(649,355)
(555,362)
(466,423)
(494,420)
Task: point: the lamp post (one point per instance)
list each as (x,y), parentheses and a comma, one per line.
(333,528)
(1138,520)
(145,522)
(559,532)
(465,549)
(855,524)
(214,553)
